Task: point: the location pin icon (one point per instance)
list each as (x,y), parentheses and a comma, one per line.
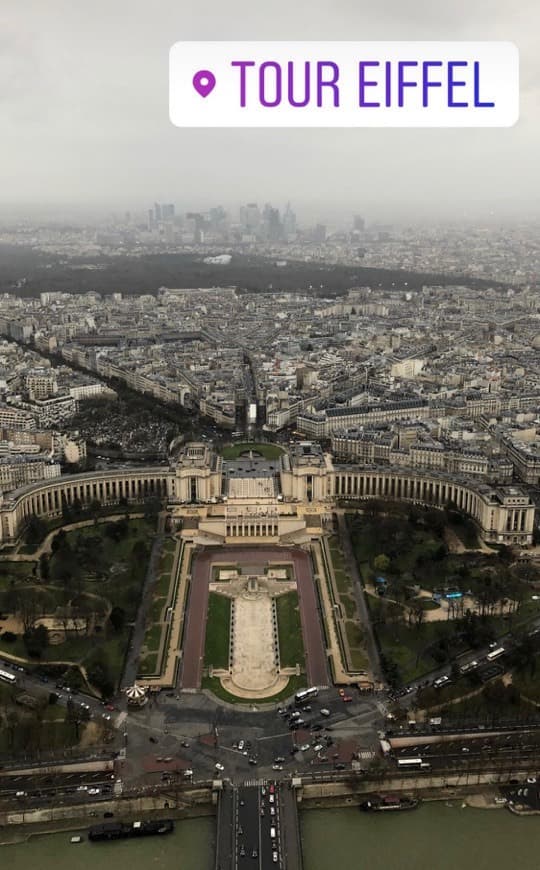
(204,82)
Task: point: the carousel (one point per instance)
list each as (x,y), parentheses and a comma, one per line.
(136,696)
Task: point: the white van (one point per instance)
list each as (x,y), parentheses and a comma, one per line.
(272,833)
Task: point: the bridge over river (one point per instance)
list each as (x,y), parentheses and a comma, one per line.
(257,827)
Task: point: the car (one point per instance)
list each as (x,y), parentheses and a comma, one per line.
(346,699)
(531,780)
(304,747)
(106,716)
(252,760)
(185,744)
(254,853)
(263,790)
(241,745)
(153,739)
(271,788)
(272,798)
(94,791)
(493,644)
(325,712)
(275,857)
(82,788)
(441,681)
(242,851)
(219,766)
(279,759)
(339,766)
(272,811)
(306,708)
(20,794)
(168,759)
(240,830)
(188,772)
(110,707)
(277,767)
(317,747)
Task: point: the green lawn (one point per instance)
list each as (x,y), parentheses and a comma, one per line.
(269,451)
(148,664)
(291,645)
(355,637)
(213,684)
(218,624)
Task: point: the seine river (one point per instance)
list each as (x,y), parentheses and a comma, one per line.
(434,837)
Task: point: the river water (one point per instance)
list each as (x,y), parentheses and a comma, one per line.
(434,837)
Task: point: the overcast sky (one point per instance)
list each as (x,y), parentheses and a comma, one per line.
(84,113)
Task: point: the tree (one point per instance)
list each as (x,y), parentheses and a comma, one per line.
(100,677)
(36,641)
(35,531)
(27,606)
(60,542)
(117,619)
(95,509)
(44,566)
(381,563)
(152,507)
(73,716)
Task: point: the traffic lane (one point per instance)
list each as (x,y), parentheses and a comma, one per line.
(247,825)
(268,821)
(44,688)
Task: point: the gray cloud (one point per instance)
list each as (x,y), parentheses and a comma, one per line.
(84,115)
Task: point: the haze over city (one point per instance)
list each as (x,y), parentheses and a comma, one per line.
(85,116)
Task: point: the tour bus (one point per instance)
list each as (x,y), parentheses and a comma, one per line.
(470,666)
(495,654)
(411,763)
(305,694)
(8,678)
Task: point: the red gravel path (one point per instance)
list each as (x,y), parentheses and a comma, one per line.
(194,632)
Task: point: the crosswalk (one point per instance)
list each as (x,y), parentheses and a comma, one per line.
(366,755)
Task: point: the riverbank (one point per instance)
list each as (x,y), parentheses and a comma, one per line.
(14,834)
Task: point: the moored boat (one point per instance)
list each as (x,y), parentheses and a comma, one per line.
(387,803)
(122,830)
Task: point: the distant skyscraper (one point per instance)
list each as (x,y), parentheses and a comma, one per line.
(289,222)
(272,228)
(319,233)
(167,211)
(359,223)
(250,217)
(151,219)
(157,211)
